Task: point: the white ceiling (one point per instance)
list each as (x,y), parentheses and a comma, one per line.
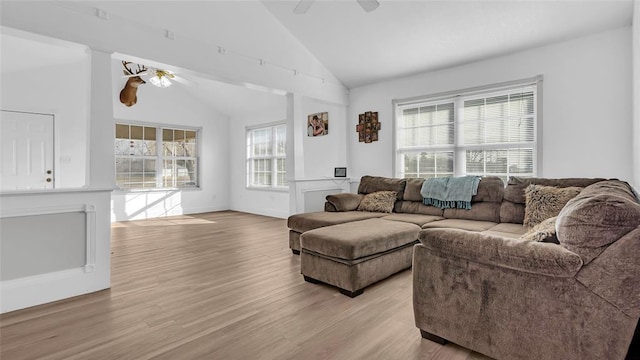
(403,37)
(399,38)
(22,51)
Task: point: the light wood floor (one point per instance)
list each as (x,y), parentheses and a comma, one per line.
(220,285)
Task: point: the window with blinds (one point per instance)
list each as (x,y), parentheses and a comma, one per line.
(426,140)
(266,157)
(488,132)
(151,157)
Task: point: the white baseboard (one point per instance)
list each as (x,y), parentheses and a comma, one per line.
(203,209)
(44,288)
(265,212)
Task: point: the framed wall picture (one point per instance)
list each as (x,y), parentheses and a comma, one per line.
(318,124)
(368,127)
(340,172)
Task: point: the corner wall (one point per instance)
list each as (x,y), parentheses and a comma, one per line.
(175,106)
(587,105)
(263,202)
(61,90)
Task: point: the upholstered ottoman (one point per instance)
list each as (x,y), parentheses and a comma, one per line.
(354,255)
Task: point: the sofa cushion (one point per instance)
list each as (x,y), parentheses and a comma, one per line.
(417,207)
(490,189)
(593,220)
(511,212)
(417,219)
(516,229)
(358,239)
(308,221)
(379,201)
(545,231)
(482,211)
(543,202)
(371,184)
(512,209)
(344,201)
(512,231)
(462,224)
(412,189)
(514,191)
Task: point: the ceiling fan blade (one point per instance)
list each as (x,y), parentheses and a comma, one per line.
(303,6)
(369,5)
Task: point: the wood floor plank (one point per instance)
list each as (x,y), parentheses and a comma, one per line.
(221,285)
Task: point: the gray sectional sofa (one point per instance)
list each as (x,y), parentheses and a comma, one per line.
(330,256)
(476,281)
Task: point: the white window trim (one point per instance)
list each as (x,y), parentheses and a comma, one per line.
(248,186)
(456,97)
(158,158)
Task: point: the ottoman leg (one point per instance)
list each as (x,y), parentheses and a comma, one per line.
(435,338)
(311,280)
(351,294)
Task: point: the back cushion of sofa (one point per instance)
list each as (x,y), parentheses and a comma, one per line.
(481,211)
(412,189)
(597,217)
(512,209)
(371,184)
(485,205)
(416,207)
(490,189)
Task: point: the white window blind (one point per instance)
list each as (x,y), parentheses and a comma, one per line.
(150,157)
(491,131)
(266,156)
(426,140)
(499,133)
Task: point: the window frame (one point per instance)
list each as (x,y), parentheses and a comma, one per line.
(160,158)
(273,157)
(458,97)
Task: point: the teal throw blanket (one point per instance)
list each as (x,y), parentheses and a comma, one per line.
(450,192)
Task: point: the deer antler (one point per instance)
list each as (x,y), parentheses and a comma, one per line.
(126,67)
(141,69)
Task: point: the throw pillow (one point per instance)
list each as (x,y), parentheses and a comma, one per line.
(543,232)
(379,201)
(543,202)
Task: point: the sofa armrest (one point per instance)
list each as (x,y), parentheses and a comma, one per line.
(344,201)
(528,256)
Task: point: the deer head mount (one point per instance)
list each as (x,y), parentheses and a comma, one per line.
(128,95)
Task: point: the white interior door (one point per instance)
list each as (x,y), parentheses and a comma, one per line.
(26,151)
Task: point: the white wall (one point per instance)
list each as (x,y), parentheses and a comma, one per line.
(263,202)
(61,90)
(587,105)
(175,106)
(323,153)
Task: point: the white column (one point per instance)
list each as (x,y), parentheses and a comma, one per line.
(101,125)
(296,130)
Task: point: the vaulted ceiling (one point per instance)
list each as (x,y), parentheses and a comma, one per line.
(350,46)
(400,38)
